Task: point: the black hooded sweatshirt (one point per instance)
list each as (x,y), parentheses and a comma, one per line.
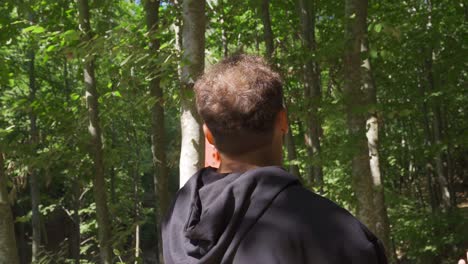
(262,216)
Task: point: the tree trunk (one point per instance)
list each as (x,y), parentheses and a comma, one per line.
(136,200)
(33,182)
(437,136)
(113,197)
(449,158)
(76,235)
(267,31)
(193,56)
(134,170)
(292,157)
(8,251)
(437,117)
(99,188)
(360,91)
(74,243)
(22,243)
(268,38)
(355,24)
(224,37)
(112,173)
(382,224)
(157,114)
(160,174)
(428,168)
(312,91)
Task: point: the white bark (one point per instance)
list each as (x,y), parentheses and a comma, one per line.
(372,137)
(193,58)
(190,156)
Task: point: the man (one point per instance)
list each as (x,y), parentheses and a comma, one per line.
(250,210)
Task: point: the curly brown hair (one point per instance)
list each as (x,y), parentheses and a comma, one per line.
(239,98)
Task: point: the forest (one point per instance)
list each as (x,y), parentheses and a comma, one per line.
(98,126)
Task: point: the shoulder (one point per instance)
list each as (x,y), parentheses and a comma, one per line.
(305,225)
(304,207)
(320,216)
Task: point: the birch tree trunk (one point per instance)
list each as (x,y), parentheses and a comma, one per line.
(312,90)
(33,181)
(8,251)
(193,58)
(382,225)
(360,90)
(355,24)
(94,128)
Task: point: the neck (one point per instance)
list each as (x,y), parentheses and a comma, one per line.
(258,158)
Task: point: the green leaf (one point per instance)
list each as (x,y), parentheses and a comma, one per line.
(164,45)
(34,29)
(378,28)
(51,48)
(435,94)
(74,96)
(71,35)
(45,58)
(23,219)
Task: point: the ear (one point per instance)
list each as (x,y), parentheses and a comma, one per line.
(208,134)
(282,121)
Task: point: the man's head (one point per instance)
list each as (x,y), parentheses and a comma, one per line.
(241,101)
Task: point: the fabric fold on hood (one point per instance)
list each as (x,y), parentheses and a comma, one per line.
(213,212)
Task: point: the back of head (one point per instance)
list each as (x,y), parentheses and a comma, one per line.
(239,99)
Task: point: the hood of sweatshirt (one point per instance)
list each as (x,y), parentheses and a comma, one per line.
(213,212)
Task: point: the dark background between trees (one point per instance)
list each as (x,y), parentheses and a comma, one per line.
(98,120)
